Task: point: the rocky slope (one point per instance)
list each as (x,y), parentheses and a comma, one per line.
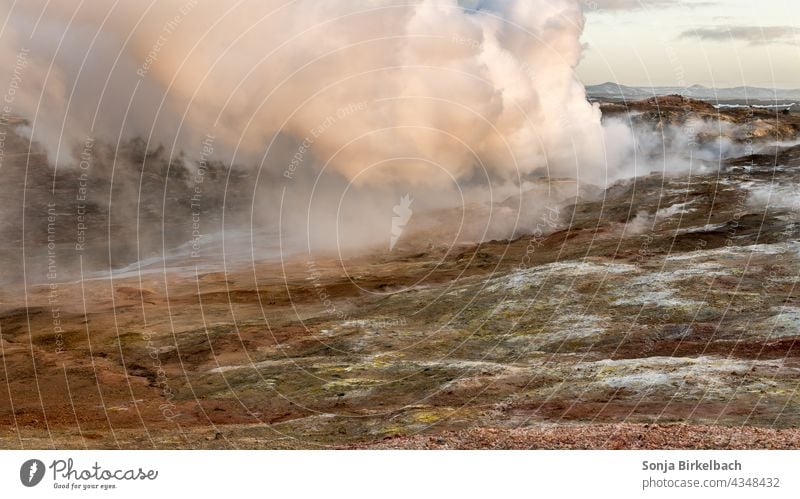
(667,300)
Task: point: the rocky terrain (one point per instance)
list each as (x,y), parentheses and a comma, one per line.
(739,124)
(662,312)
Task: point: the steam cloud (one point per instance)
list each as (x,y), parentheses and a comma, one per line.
(327,113)
(381,90)
(219,124)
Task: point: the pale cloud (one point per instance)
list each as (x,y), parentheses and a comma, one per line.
(755,35)
(623,5)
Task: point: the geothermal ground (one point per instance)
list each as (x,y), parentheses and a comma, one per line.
(662,314)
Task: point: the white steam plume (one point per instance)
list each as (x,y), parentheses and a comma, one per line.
(382,90)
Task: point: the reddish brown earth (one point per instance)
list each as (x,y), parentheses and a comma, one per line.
(622,436)
(664,314)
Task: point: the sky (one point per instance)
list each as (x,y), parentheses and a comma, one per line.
(719,43)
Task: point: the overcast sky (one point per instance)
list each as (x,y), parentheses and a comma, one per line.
(682,42)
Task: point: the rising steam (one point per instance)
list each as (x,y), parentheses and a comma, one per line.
(380,90)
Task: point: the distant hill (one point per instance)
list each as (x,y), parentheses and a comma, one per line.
(615,91)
